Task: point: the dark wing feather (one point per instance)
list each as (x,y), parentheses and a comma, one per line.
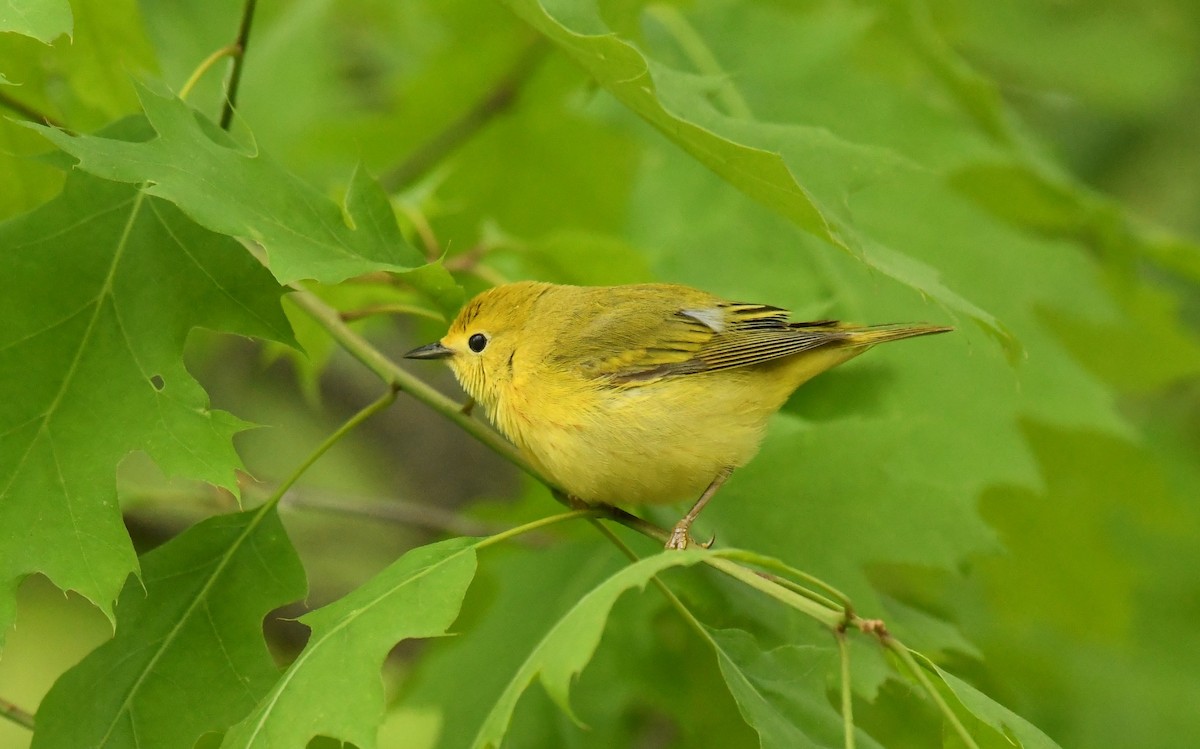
(725,336)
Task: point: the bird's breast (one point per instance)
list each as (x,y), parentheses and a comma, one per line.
(662,442)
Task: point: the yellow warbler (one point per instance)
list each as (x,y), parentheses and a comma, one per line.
(639,394)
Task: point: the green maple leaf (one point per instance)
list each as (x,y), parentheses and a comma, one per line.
(333,688)
(195,619)
(563,652)
(102,286)
(305,234)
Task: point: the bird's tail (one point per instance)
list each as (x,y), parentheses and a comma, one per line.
(869,335)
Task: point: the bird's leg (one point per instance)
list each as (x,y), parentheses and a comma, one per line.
(679,534)
(467,407)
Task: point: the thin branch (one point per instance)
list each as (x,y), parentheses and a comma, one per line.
(28,112)
(239,59)
(790,574)
(16,714)
(497,99)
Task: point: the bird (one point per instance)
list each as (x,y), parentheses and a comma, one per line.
(639,394)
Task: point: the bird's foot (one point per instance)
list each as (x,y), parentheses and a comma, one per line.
(680,538)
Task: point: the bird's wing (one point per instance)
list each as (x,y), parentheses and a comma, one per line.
(680,342)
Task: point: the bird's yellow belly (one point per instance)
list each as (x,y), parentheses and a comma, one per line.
(651,444)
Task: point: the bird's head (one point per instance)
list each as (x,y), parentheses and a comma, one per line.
(485,337)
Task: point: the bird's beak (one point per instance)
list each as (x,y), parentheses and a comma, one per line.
(433,350)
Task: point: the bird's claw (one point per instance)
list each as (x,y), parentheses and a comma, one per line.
(680,539)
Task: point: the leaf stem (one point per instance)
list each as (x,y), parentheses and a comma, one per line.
(829,617)
(239,58)
(378,405)
(902,652)
(28,112)
(847,696)
(534,525)
(770,563)
(16,714)
(229,50)
(494,102)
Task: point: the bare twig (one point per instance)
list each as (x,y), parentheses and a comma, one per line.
(16,714)
(497,99)
(239,59)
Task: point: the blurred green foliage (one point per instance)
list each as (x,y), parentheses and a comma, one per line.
(1018,501)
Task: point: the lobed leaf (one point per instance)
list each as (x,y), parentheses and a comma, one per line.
(189,656)
(566,648)
(248,195)
(333,688)
(102,286)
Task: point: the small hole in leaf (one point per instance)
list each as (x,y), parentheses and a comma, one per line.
(158,382)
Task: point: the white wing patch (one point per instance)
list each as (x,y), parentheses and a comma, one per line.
(712,318)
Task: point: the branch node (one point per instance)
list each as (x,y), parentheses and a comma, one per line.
(873,627)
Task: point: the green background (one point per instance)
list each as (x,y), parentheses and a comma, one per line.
(1019,500)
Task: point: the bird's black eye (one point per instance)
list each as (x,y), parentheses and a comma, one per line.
(477,342)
